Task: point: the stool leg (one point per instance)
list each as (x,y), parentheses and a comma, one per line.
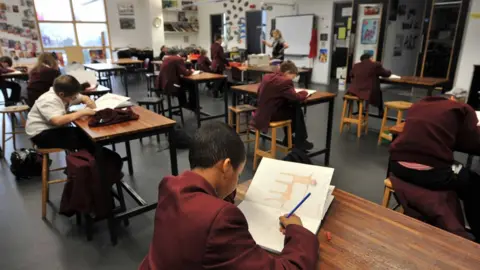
(360,118)
(289,139)
(350,113)
(273,146)
(237,123)
(399,116)
(230,120)
(255,155)
(342,117)
(3,135)
(386,197)
(382,127)
(248,128)
(366,119)
(44,184)
(14,137)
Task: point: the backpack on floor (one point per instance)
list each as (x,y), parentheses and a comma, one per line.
(182,139)
(26,163)
(298,156)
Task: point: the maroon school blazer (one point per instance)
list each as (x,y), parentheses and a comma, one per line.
(435,127)
(365,83)
(275,95)
(196,230)
(39,82)
(173,67)
(219,61)
(203,64)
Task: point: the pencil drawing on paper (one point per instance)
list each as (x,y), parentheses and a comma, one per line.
(286,195)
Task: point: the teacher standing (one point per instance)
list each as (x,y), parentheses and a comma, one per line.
(278,45)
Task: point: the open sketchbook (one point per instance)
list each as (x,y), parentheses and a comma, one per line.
(310,92)
(277,187)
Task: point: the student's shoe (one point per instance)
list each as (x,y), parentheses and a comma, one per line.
(306,145)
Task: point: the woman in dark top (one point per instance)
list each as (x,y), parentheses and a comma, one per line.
(41,77)
(278,45)
(163,52)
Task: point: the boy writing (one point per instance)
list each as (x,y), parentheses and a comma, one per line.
(47,120)
(195,228)
(5,68)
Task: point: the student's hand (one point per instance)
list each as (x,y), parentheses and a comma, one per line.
(292,220)
(87,112)
(89,102)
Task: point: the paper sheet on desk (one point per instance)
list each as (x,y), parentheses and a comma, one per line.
(393,76)
(196,72)
(478,117)
(310,92)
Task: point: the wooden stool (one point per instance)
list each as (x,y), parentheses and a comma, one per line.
(347,118)
(239,110)
(46,175)
(151,77)
(395,105)
(11,110)
(273,148)
(387,194)
(156,103)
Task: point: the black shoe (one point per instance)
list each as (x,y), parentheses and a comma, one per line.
(306,145)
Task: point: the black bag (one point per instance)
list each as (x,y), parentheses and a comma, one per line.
(298,156)
(26,163)
(182,139)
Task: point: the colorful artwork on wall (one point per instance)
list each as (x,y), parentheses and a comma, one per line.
(369,31)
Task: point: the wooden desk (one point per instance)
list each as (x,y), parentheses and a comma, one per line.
(366,235)
(421,82)
(107,70)
(157,62)
(127,61)
(305,74)
(148,124)
(15,75)
(205,77)
(317,98)
(97,92)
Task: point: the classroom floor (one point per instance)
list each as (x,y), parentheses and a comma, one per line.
(28,242)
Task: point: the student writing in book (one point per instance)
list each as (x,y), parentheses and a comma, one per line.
(41,77)
(277,100)
(196,228)
(5,68)
(422,154)
(47,122)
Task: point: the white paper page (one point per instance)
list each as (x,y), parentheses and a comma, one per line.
(110,101)
(84,76)
(478,117)
(196,72)
(328,202)
(310,92)
(282,185)
(15,72)
(393,76)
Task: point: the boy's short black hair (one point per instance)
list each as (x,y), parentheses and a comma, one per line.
(213,142)
(172,51)
(6,59)
(288,66)
(217,37)
(365,56)
(67,85)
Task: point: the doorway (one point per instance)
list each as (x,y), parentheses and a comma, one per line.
(341,27)
(256,25)
(216,24)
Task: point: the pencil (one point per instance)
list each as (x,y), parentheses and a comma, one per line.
(299,204)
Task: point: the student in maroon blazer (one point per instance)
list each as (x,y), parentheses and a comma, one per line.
(365,82)
(169,79)
(203,63)
(422,154)
(277,100)
(41,77)
(195,228)
(219,62)
(15,94)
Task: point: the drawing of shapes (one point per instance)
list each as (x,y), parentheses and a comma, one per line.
(369,31)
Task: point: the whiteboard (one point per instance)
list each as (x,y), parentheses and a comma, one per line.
(297,32)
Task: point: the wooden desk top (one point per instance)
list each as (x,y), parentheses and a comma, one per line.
(366,235)
(268,69)
(414,80)
(147,121)
(252,89)
(397,129)
(204,76)
(127,61)
(104,67)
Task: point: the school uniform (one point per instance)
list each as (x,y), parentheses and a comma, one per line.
(219,63)
(194,229)
(39,82)
(45,135)
(169,79)
(15,88)
(277,101)
(422,154)
(203,64)
(365,82)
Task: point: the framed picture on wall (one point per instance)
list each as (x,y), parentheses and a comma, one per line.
(369,31)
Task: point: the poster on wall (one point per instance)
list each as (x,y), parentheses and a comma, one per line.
(369,31)
(127,23)
(371,10)
(126,9)
(323,55)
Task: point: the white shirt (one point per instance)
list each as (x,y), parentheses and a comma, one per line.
(46,107)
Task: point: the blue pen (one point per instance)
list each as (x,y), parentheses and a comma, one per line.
(299,204)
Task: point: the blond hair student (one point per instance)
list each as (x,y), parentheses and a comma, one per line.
(41,77)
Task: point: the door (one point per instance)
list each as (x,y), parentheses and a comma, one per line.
(255,33)
(216,24)
(341,28)
(367,35)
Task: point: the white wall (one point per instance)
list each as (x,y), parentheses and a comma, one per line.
(469,54)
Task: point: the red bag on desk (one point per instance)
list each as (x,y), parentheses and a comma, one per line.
(83,191)
(107,117)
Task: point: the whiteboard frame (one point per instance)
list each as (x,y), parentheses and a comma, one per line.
(315,18)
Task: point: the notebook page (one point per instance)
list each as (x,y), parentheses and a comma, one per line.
(110,101)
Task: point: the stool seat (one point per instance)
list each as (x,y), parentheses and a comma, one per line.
(14,109)
(242,108)
(150,100)
(388,183)
(49,150)
(350,97)
(280,123)
(398,105)
(387,193)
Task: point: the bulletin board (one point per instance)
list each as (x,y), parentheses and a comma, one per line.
(19,36)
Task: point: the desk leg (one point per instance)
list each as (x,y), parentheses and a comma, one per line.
(197,101)
(430,91)
(125,79)
(329,131)
(173,152)
(468,165)
(129,157)
(225,99)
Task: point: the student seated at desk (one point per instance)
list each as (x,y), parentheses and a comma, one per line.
(169,80)
(277,101)
(41,77)
(422,154)
(196,228)
(366,82)
(48,119)
(203,62)
(5,68)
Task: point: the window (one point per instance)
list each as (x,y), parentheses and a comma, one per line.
(73,23)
